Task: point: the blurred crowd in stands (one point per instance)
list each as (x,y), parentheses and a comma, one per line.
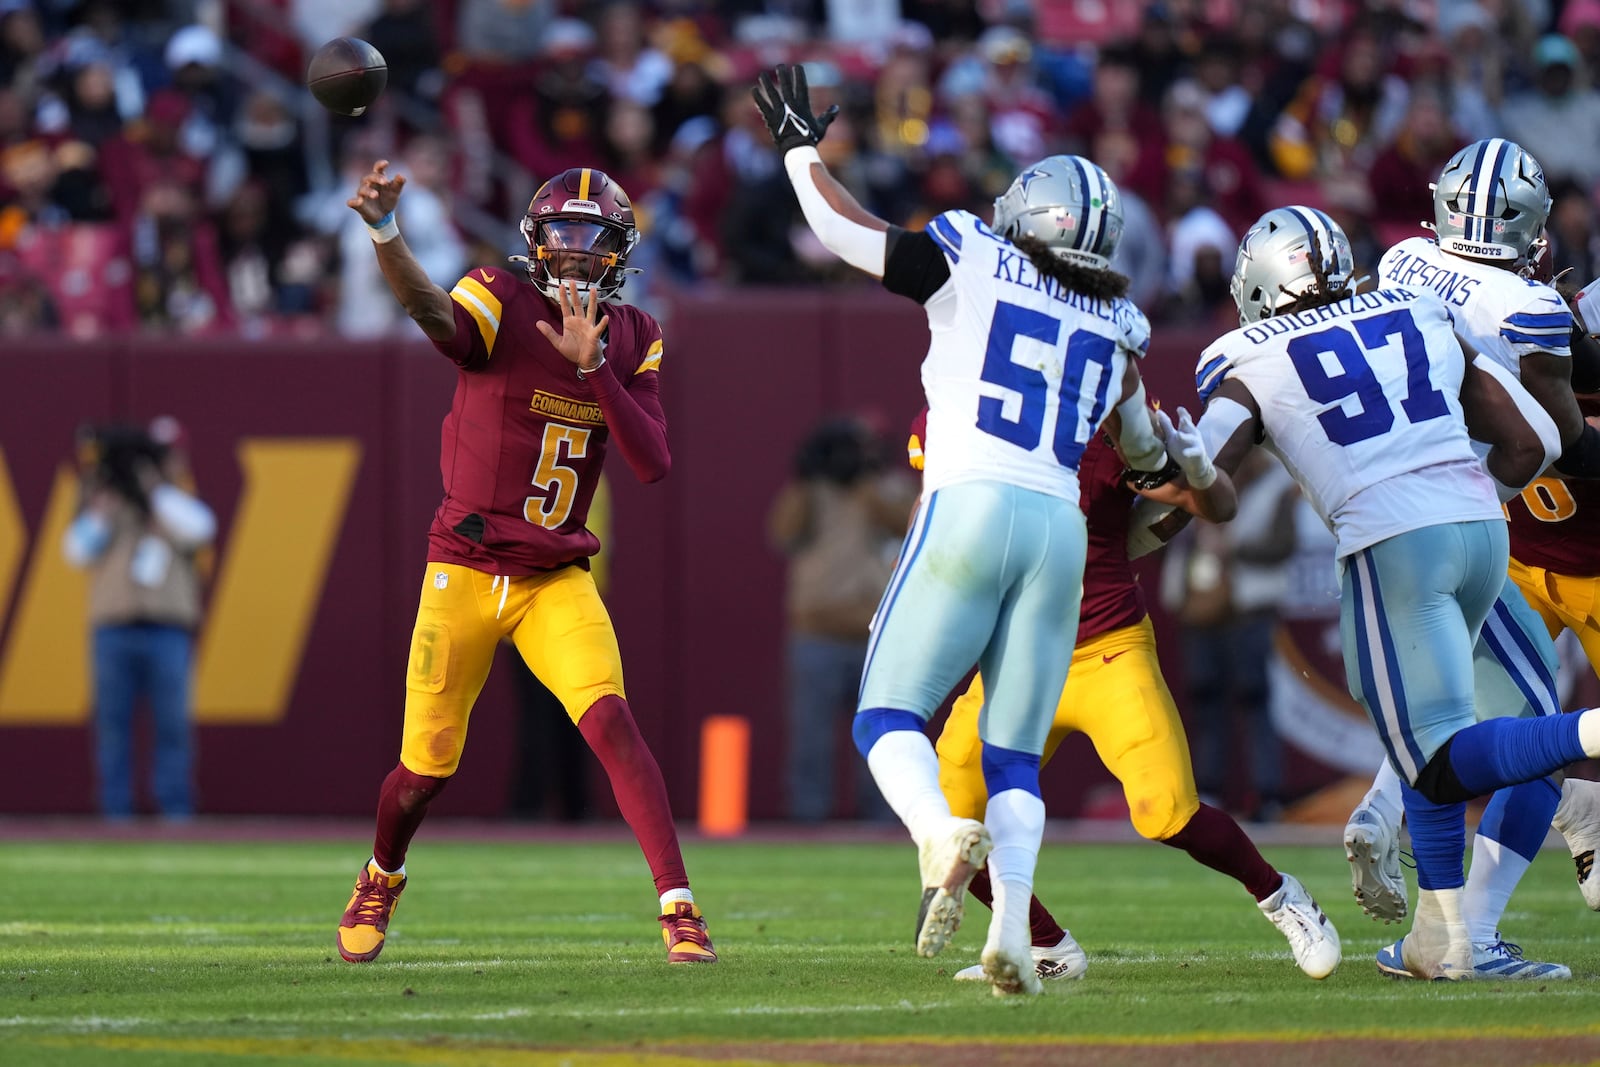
(161,167)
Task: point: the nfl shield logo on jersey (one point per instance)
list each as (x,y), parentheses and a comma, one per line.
(440,580)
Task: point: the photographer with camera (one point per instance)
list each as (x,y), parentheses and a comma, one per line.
(840,520)
(138,532)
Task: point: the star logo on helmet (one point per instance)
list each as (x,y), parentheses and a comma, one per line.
(1027,177)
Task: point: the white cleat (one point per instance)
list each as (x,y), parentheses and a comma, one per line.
(948,863)
(1373,848)
(1312,938)
(1064,960)
(1011,970)
(1578,819)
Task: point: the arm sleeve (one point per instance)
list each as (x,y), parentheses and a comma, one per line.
(914,266)
(185,518)
(852,242)
(635,420)
(1139,442)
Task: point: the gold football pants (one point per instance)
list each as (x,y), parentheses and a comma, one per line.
(1115,694)
(556,620)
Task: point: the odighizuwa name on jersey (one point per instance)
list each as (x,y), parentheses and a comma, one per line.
(1361,399)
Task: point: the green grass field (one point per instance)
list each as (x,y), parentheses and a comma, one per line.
(203,953)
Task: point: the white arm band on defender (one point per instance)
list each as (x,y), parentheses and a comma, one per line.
(1218,422)
(1532,411)
(1141,539)
(1139,443)
(850,241)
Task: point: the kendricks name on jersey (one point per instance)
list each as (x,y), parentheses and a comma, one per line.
(1012,266)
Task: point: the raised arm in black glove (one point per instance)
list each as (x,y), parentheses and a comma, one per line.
(785,104)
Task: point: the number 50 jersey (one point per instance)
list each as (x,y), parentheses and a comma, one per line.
(1020,371)
(1361,399)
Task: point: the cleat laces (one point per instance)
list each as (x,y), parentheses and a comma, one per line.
(373,901)
(683,926)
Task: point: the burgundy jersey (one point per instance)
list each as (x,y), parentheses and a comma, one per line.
(1112,598)
(1554,523)
(522,446)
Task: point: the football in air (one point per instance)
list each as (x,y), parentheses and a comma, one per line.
(346,75)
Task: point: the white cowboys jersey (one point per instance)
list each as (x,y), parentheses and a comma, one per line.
(1020,373)
(1500,313)
(1361,399)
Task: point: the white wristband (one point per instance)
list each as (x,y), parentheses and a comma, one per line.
(384,230)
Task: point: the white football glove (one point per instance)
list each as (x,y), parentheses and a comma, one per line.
(1187,448)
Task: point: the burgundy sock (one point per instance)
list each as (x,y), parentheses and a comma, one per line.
(402,804)
(1045,931)
(1214,839)
(637,784)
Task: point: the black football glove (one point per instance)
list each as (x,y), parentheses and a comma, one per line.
(785,104)
(1144,481)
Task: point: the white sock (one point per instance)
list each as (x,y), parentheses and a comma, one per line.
(1385,797)
(1439,905)
(906,768)
(1493,877)
(1572,809)
(373,862)
(1015,818)
(1589,732)
(1009,925)
(672,896)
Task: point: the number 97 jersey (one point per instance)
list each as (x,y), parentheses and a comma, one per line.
(1361,399)
(1020,371)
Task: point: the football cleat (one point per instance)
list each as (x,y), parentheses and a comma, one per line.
(1011,970)
(683,929)
(1312,938)
(366,918)
(1372,847)
(1064,960)
(1492,961)
(1499,960)
(948,863)
(1578,819)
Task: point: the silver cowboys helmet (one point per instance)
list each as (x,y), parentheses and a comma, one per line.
(1281,258)
(1491,203)
(1067,202)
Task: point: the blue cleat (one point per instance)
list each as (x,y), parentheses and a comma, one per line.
(1390,961)
(1501,961)
(1492,961)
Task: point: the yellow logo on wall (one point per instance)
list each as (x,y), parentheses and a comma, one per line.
(294,494)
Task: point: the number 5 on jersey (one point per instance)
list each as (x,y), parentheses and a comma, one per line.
(556,483)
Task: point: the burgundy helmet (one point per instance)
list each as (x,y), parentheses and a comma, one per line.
(579,227)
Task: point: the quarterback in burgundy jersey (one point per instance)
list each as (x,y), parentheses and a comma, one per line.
(552,374)
(1116,695)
